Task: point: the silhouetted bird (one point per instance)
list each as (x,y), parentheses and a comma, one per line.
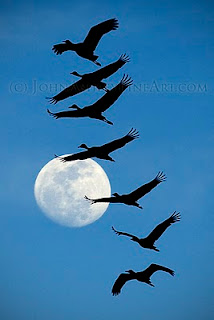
(90,79)
(86,48)
(103,151)
(131,198)
(149,241)
(142,276)
(95,110)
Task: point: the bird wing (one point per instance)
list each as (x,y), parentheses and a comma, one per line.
(159,230)
(76,156)
(119,283)
(62,47)
(96,32)
(111,96)
(124,234)
(156,267)
(144,189)
(108,70)
(75,88)
(119,143)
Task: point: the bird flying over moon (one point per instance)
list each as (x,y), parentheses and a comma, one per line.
(102,152)
(131,198)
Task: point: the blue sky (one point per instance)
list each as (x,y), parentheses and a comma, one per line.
(51,272)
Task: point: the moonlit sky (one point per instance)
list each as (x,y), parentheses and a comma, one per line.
(52,272)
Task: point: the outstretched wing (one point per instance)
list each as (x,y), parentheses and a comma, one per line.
(119,143)
(111,96)
(156,267)
(119,283)
(62,47)
(124,234)
(108,70)
(75,88)
(159,230)
(96,32)
(76,156)
(141,191)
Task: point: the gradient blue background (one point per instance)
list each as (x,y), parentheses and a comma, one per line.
(52,272)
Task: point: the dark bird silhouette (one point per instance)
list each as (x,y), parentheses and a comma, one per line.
(149,241)
(95,110)
(86,48)
(103,151)
(131,198)
(90,79)
(142,276)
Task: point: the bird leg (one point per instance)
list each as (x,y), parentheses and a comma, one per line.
(90,200)
(106,90)
(109,158)
(151,284)
(107,121)
(97,63)
(137,205)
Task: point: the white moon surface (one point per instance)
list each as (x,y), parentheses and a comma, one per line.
(60,189)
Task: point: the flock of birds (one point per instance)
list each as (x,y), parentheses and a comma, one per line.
(86,50)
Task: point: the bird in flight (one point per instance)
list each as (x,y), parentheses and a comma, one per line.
(131,198)
(90,79)
(96,109)
(102,152)
(142,276)
(86,48)
(149,241)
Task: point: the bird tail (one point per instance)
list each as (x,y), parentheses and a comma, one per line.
(53,114)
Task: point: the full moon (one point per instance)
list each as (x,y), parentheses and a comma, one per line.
(60,188)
